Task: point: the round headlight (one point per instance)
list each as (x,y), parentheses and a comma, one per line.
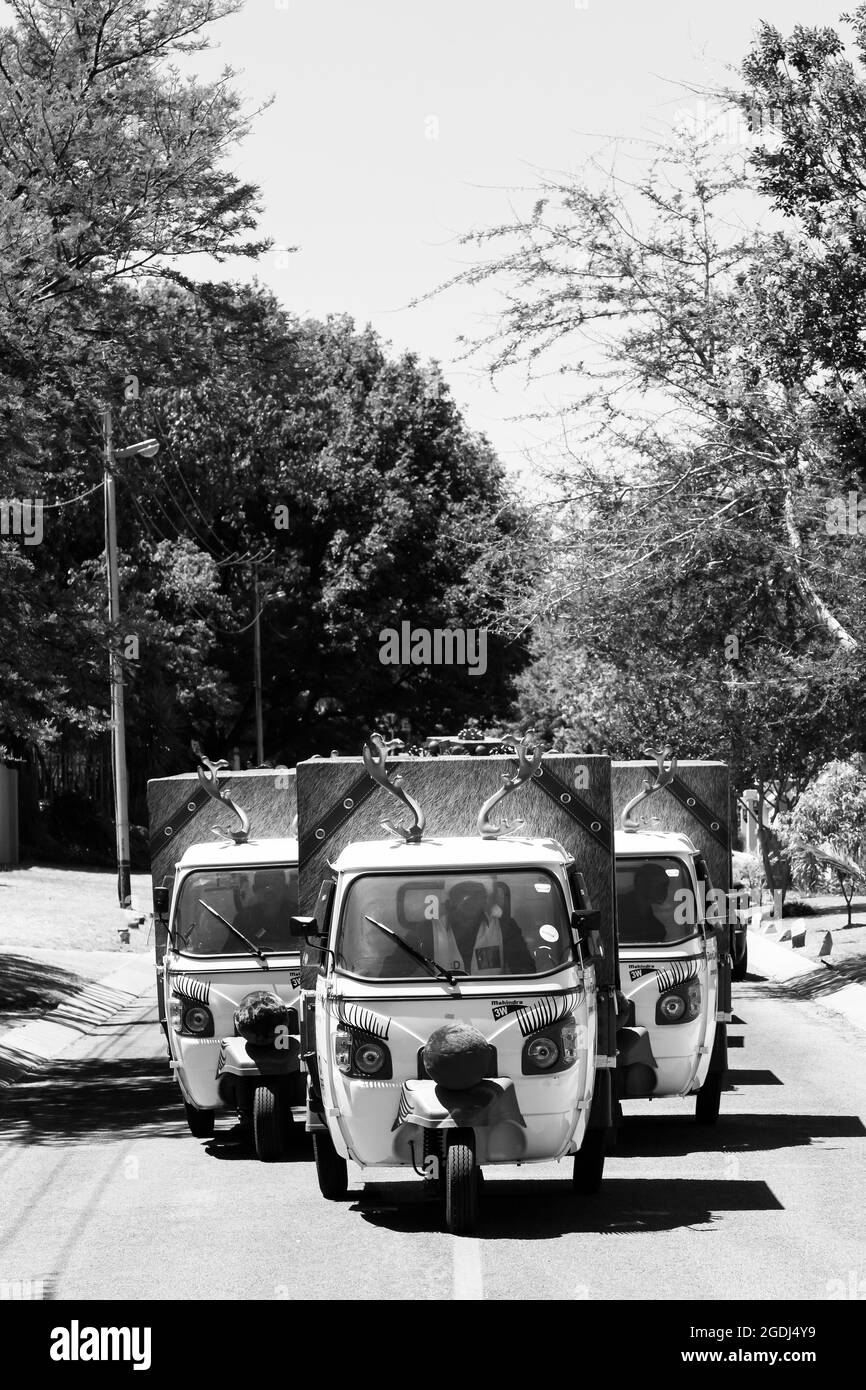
(370,1058)
(543,1052)
(197,1019)
(673,1006)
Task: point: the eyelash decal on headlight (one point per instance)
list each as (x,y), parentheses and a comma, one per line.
(675,974)
(546,1011)
(188,987)
(353,1016)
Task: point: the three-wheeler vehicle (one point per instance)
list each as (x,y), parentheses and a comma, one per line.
(229,967)
(454,1022)
(672,927)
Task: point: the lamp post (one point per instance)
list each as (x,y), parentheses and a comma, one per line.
(148,448)
(257,666)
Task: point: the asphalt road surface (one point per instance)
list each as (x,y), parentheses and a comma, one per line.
(107,1195)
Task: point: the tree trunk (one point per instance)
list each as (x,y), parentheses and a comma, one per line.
(807,589)
(776,869)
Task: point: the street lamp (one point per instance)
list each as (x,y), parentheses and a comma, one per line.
(147,448)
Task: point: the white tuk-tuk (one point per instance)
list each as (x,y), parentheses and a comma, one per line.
(673,942)
(453,1023)
(230,978)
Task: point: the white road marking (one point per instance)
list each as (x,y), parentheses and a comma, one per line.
(468,1276)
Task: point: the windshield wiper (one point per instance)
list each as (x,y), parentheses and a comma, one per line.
(418,955)
(255,949)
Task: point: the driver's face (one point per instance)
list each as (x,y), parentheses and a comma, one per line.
(468,904)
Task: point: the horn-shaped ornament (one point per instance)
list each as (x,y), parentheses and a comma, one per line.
(528,763)
(666,768)
(375,755)
(208,775)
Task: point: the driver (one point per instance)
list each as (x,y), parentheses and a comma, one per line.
(266,917)
(637,921)
(468,937)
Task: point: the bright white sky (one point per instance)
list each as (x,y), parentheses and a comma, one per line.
(349,174)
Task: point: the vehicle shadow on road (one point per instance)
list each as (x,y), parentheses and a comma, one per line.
(668,1136)
(92,1100)
(236,1145)
(545,1209)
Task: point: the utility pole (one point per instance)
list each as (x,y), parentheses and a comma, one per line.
(257,665)
(148,448)
(118,728)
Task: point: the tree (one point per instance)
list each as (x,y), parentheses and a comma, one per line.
(351,481)
(691,555)
(111,166)
(830,816)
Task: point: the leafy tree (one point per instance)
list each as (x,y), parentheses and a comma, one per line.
(111,166)
(830,816)
(691,554)
(350,481)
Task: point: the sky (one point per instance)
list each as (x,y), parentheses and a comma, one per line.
(398,125)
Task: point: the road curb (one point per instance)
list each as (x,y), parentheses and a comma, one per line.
(780,964)
(26,1049)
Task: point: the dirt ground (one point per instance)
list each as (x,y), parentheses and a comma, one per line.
(68,909)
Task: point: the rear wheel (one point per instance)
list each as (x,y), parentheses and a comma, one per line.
(268,1122)
(332,1171)
(589,1162)
(709,1099)
(200,1121)
(461,1188)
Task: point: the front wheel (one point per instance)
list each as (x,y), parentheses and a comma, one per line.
(200,1121)
(709,1098)
(589,1162)
(268,1122)
(461,1189)
(332,1171)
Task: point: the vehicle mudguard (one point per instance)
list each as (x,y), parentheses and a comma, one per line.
(240,1058)
(637,1068)
(491,1102)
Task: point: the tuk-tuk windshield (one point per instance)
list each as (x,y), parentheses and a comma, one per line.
(655,901)
(256,902)
(507,922)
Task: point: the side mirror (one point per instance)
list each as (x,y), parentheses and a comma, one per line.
(586,926)
(303,926)
(161,900)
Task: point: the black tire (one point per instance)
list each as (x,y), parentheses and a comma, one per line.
(332,1171)
(589,1162)
(709,1098)
(461,1189)
(268,1122)
(738,972)
(200,1121)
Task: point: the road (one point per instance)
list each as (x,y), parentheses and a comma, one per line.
(108,1196)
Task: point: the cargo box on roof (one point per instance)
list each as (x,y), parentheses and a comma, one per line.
(338,803)
(181,813)
(696,803)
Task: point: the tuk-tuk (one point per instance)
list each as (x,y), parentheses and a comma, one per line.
(672,931)
(228,966)
(460,978)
